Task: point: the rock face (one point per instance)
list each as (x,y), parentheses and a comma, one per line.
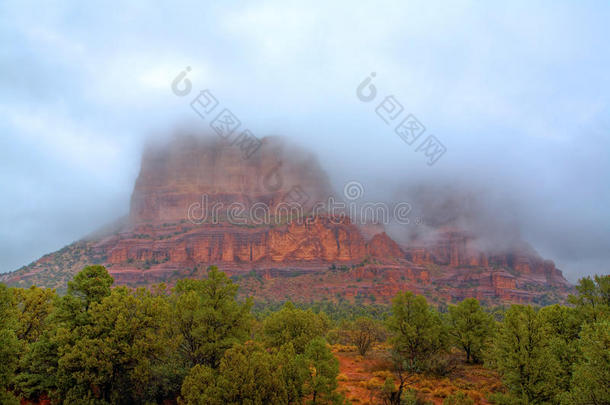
(200,202)
(320,240)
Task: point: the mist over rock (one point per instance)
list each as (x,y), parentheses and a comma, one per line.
(486,217)
(176,175)
(460,249)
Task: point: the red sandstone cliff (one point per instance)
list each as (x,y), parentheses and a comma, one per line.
(174,231)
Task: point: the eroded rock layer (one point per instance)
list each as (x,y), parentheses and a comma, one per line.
(183,219)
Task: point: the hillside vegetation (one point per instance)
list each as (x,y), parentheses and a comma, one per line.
(197,343)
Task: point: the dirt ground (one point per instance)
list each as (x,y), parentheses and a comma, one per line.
(361,378)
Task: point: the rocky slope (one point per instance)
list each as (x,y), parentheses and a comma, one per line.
(199,202)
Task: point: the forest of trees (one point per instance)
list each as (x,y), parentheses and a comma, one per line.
(197,343)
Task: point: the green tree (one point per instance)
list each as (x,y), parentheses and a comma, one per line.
(591,378)
(33,305)
(200,387)
(323,367)
(593,299)
(293,372)
(90,285)
(9,345)
(417,338)
(564,327)
(207,317)
(247,374)
(417,331)
(522,354)
(38,361)
(38,368)
(295,326)
(58,332)
(470,327)
(117,357)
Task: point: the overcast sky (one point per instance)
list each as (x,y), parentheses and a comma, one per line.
(518,92)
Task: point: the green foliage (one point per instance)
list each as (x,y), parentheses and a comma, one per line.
(593,299)
(247,375)
(470,327)
(418,338)
(34,306)
(90,285)
(591,378)
(522,353)
(335,311)
(321,380)
(558,354)
(38,368)
(9,345)
(117,358)
(563,325)
(294,326)
(208,318)
(293,372)
(98,345)
(417,332)
(200,387)
(101,346)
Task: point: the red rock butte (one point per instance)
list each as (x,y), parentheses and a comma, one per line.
(171,234)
